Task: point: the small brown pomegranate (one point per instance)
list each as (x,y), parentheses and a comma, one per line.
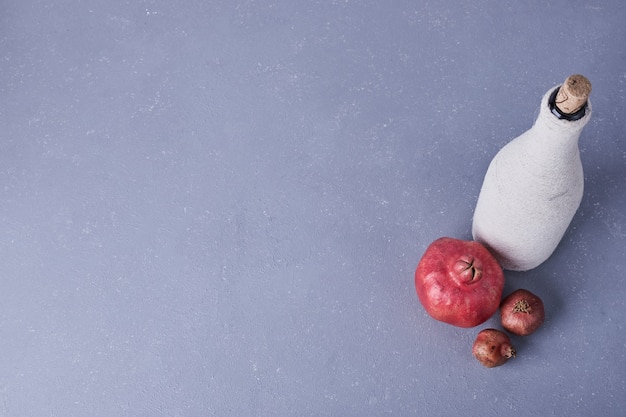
(522,312)
(492,348)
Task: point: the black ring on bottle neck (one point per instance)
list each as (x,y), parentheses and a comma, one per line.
(579,114)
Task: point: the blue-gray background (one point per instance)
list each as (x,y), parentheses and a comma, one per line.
(215,208)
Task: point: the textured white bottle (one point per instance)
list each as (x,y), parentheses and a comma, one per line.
(531,191)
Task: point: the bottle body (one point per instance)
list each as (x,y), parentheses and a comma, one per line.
(531,191)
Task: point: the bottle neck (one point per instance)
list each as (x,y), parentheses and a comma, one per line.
(554,109)
(551,132)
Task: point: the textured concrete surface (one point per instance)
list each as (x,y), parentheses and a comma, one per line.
(215,208)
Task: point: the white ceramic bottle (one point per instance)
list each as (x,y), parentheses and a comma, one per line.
(534,185)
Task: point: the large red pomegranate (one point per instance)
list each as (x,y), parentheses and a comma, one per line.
(459,282)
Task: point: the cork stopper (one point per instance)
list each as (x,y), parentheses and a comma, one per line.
(573,94)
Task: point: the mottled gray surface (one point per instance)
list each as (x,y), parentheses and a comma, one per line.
(215,208)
